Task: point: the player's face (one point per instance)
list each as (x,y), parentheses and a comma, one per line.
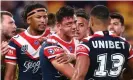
(82,27)
(68,26)
(116,26)
(38,21)
(8,26)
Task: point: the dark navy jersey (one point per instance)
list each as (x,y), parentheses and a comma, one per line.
(50,49)
(24,51)
(108,55)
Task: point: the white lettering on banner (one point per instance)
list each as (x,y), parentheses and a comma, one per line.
(32,65)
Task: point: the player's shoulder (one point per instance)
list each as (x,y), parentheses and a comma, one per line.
(122,39)
(86,39)
(49,42)
(18,35)
(51,48)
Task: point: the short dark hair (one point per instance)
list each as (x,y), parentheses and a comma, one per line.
(81,13)
(100,12)
(117,16)
(5,13)
(51,19)
(28,8)
(64,12)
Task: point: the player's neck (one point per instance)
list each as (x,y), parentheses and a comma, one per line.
(87,34)
(100,28)
(33,32)
(63,37)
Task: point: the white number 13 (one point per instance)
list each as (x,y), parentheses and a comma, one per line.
(117,59)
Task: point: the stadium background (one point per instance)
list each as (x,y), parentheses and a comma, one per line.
(123,7)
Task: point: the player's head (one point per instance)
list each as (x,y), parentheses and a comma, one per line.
(35,15)
(116,23)
(66,21)
(8,24)
(99,18)
(82,23)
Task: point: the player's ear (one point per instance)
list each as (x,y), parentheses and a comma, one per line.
(123,28)
(89,24)
(91,21)
(28,20)
(109,20)
(58,25)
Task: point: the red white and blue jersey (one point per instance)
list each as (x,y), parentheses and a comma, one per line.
(108,55)
(24,51)
(50,49)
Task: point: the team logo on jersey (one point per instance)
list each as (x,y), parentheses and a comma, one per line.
(50,51)
(70,48)
(24,48)
(32,65)
(36,42)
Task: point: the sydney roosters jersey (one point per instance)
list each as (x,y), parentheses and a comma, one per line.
(108,55)
(24,50)
(50,49)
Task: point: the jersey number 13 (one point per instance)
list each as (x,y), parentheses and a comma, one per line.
(117,64)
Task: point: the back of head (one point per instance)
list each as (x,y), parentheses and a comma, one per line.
(117,16)
(100,12)
(65,11)
(51,19)
(5,13)
(30,7)
(81,13)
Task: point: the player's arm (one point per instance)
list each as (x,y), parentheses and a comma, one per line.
(66,58)
(130,61)
(130,64)
(81,68)
(127,73)
(10,71)
(51,52)
(65,69)
(10,60)
(82,63)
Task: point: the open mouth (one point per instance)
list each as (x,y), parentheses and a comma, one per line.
(14,32)
(42,25)
(76,34)
(112,31)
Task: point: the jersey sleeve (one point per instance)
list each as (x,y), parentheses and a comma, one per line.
(130,52)
(10,56)
(82,49)
(52,51)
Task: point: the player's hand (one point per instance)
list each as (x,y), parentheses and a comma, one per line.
(65,58)
(4,47)
(42,39)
